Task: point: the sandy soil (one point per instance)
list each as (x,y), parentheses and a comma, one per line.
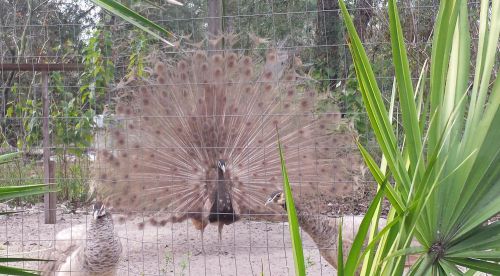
(248,247)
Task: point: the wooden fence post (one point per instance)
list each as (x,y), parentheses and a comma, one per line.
(50,199)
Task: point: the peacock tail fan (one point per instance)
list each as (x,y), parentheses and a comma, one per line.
(174,127)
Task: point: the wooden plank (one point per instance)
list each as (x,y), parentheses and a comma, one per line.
(50,199)
(41,67)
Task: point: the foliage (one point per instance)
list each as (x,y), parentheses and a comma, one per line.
(135,19)
(340,252)
(34,31)
(8,157)
(71,179)
(71,125)
(288,24)
(323,74)
(28,113)
(310,29)
(99,69)
(298,253)
(10,192)
(71,111)
(139,47)
(352,105)
(446,173)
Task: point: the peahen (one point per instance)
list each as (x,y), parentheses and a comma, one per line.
(86,249)
(324,230)
(198,140)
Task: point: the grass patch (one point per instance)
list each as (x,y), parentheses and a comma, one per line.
(72,179)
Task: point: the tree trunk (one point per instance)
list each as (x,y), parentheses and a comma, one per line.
(364,12)
(214,21)
(329,35)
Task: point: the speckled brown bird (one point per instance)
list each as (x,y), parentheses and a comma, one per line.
(198,139)
(86,249)
(324,230)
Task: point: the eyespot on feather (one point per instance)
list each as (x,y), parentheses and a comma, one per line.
(217,59)
(140,226)
(271,56)
(246,61)
(200,56)
(160,68)
(182,65)
(161,79)
(268,75)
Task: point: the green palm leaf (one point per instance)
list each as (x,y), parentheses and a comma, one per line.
(135,19)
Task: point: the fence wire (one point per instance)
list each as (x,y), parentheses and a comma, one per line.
(108,52)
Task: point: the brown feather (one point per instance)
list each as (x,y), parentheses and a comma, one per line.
(85,250)
(324,230)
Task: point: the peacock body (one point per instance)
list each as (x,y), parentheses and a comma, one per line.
(198,140)
(324,230)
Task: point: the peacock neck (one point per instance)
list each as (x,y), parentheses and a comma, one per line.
(305,217)
(221,181)
(320,228)
(220,176)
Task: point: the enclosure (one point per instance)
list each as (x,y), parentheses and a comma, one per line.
(81,103)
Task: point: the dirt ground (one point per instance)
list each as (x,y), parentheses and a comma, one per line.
(248,247)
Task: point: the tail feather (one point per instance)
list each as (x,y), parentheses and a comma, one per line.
(201,109)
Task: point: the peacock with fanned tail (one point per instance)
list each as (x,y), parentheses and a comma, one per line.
(199,139)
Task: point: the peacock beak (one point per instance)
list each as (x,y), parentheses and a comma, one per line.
(223,168)
(269,201)
(95,214)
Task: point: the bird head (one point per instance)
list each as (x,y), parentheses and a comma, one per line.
(277,197)
(221,164)
(98,210)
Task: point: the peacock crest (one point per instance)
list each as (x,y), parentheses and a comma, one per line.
(199,139)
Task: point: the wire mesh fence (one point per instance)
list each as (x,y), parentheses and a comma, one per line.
(94,56)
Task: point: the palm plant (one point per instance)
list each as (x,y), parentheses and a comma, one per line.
(446,172)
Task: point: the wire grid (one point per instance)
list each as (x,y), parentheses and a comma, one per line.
(58,32)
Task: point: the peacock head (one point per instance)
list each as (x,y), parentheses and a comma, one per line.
(277,197)
(98,210)
(221,165)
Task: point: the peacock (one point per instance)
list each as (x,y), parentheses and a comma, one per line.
(86,249)
(198,140)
